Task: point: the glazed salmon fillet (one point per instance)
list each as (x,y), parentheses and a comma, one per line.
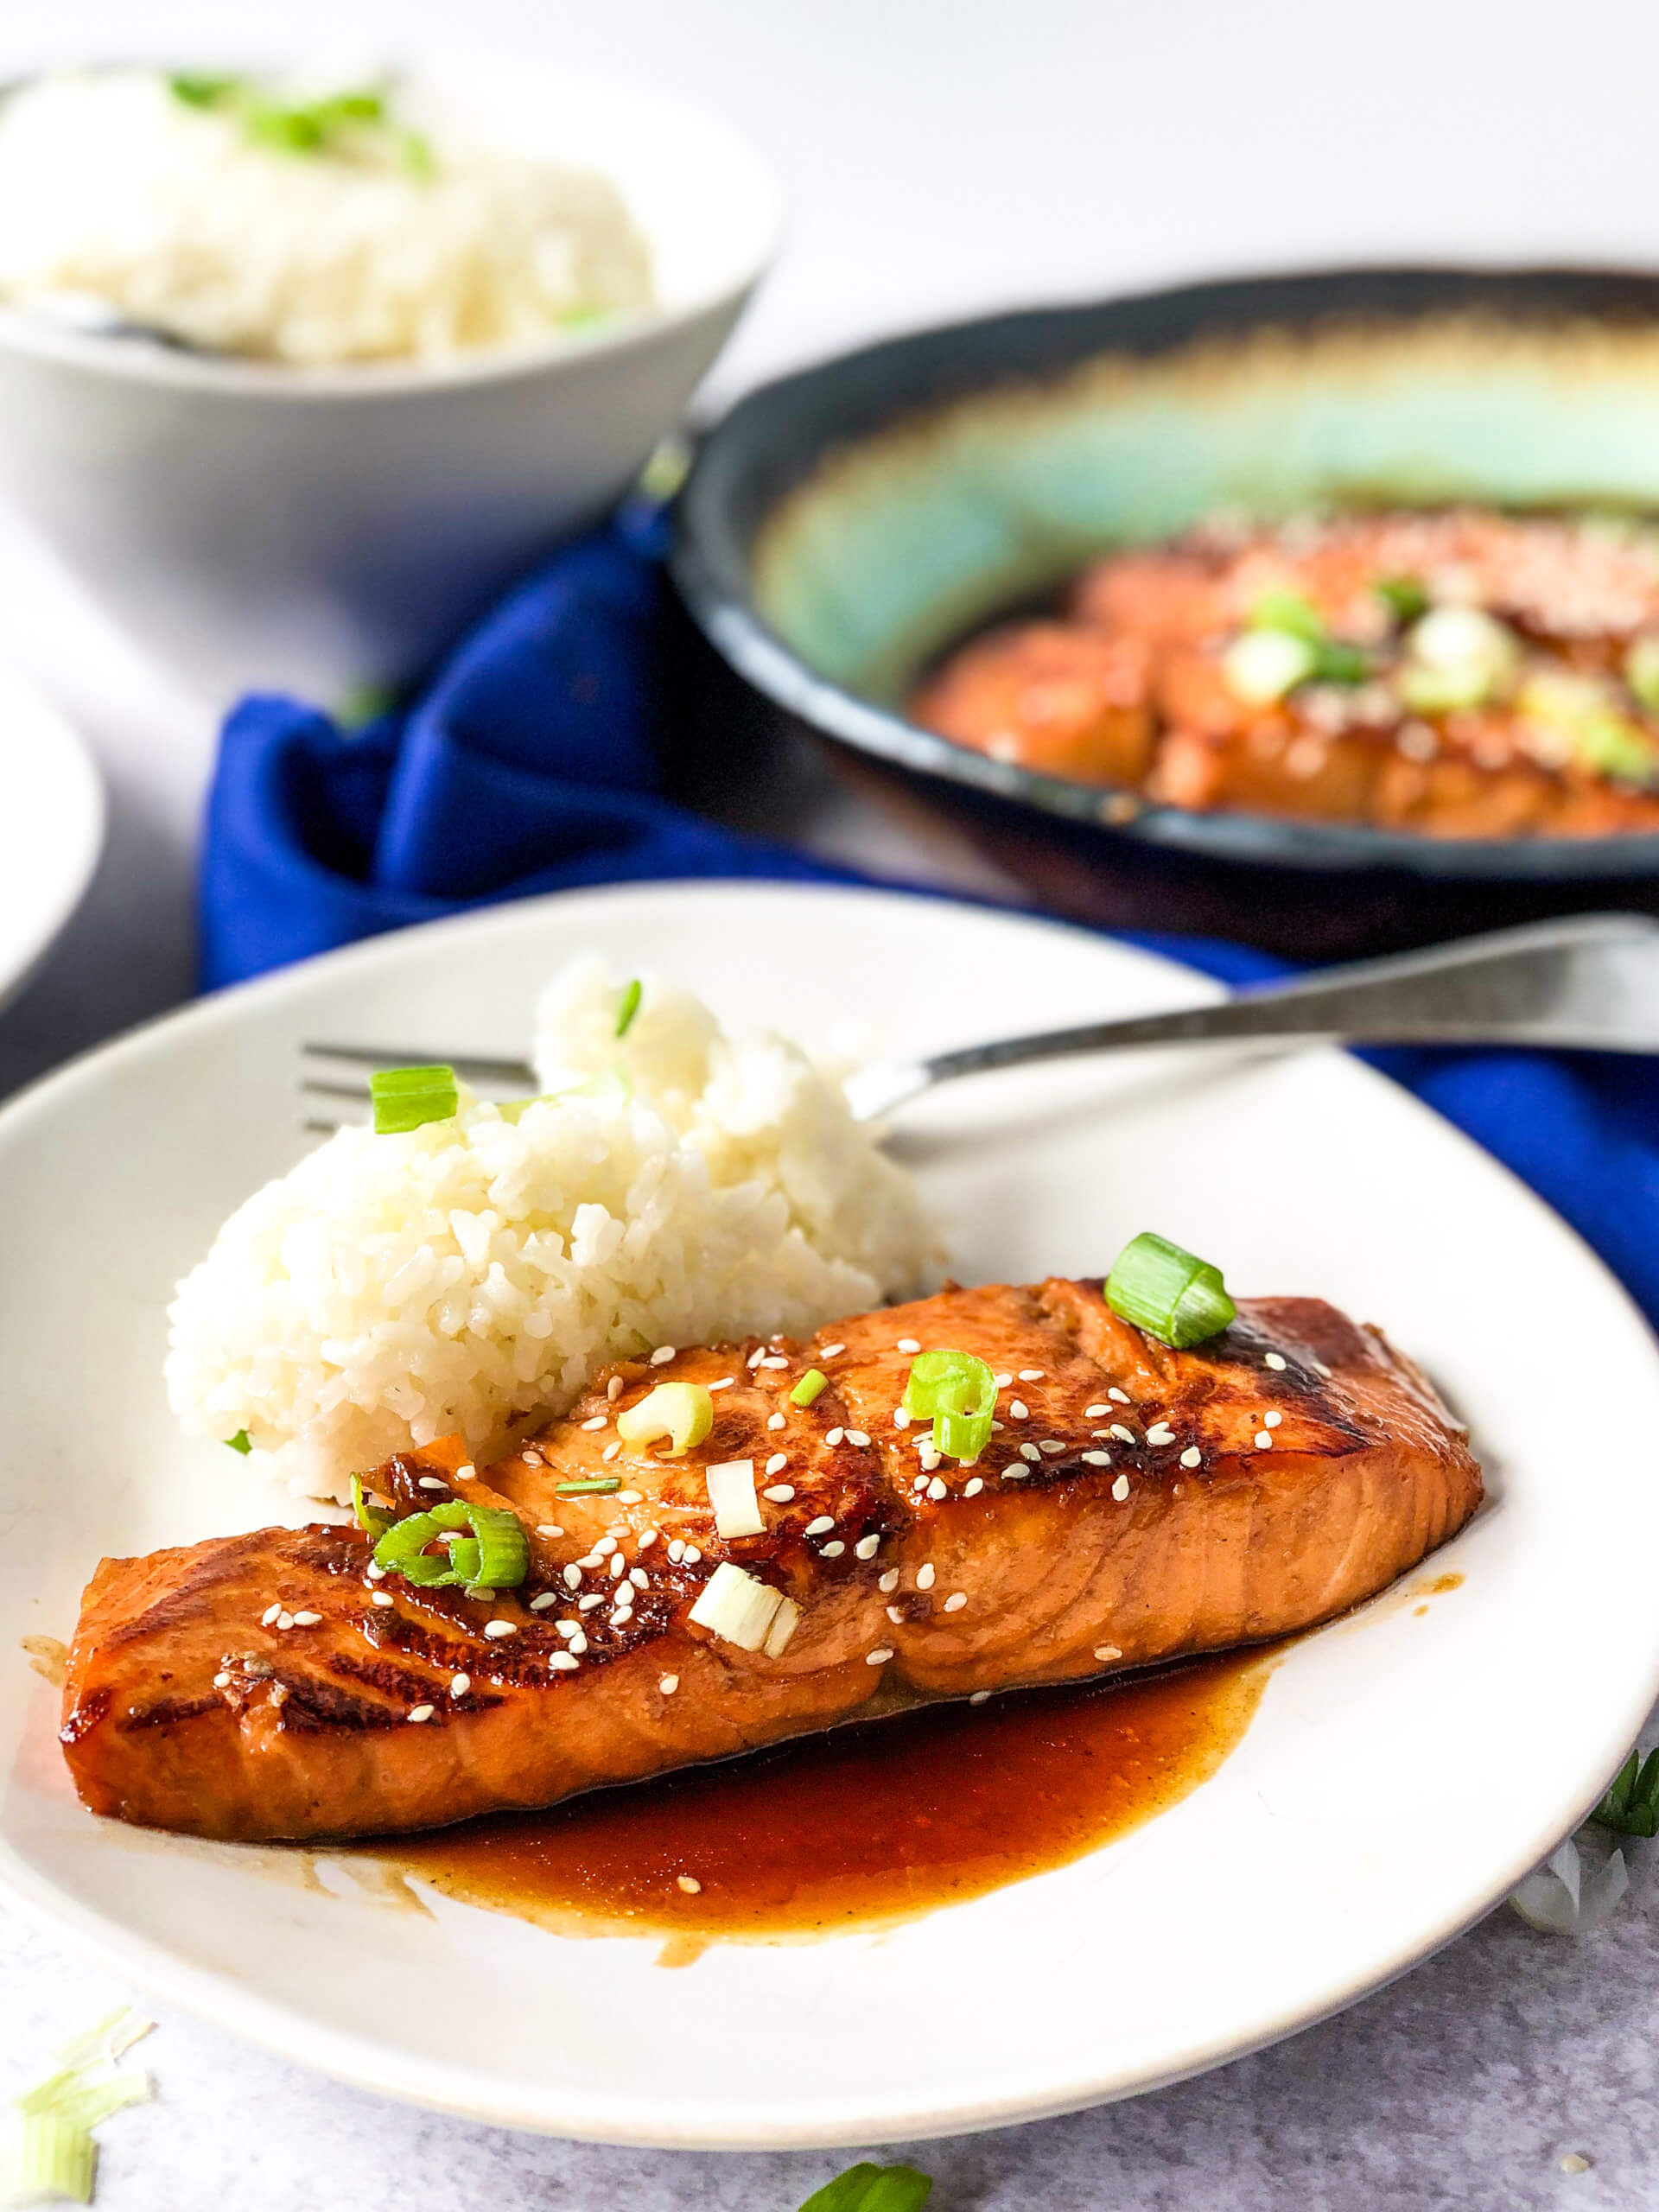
(1136,1503)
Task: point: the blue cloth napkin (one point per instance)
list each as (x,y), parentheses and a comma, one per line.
(530,763)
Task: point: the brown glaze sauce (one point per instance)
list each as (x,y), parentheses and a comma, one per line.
(864,1826)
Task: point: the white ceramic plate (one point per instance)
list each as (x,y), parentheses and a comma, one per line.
(1405,1768)
(51,828)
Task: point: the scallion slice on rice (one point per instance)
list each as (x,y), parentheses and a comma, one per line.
(407,1098)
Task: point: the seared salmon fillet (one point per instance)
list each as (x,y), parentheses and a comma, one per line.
(1134,1504)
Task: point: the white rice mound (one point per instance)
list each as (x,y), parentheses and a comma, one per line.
(112,187)
(679,1187)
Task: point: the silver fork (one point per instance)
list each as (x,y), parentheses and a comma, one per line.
(1586,983)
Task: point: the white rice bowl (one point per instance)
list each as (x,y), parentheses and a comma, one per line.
(679,1186)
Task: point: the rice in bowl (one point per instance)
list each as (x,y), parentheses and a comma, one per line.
(243,219)
(677,1186)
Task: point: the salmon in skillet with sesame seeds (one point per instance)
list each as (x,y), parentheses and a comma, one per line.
(1134,1504)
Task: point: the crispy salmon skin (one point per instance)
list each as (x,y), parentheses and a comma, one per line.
(1134,1503)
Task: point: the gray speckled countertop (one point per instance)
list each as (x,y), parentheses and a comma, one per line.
(1464,2085)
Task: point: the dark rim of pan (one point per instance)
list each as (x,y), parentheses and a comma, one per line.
(772,439)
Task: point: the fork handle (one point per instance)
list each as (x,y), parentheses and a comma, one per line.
(1588,983)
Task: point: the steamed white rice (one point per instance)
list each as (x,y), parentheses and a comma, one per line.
(113,189)
(679,1187)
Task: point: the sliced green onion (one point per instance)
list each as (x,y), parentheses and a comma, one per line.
(105,2040)
(86,2096)
(1339,663)
(407,1098)
(1263,665)
(197,91)
(740,1609)
(629,1008)
(682,1412)
(865,2187)
(44,2159)
(809,1386)
(1631,1805)
(958,1392)
(1169,1292)
(1580,717)
(369,1518)
(1404,597)
(240,1442)
(1641,671)
(1459,656)
(1289,612)
(415,151)
(592,1488)
(494,1555)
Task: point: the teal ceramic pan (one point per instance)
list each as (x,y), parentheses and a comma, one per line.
(842,525)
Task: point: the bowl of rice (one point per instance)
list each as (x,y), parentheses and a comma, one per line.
(297,371)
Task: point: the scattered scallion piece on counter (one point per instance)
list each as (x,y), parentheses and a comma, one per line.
(241,1442)
(407,1098)
(48,2154)
(814,1381)
(1168,1291)
(629,1007)
(867,2188)
(1403,596)
(682,1412)
(494,1555)
(592,1488)
(45,2160)
(1631,1805)
(957,1392)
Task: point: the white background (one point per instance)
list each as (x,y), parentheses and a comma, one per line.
(940,156)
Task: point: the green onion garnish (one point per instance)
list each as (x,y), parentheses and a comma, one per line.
(197,91)
(590,1489)
(682,1412)
(369,1518)
(495,1556)
(48,2153)
(46,2159)
(1641,671)
(1403,596)
(808,1388)
(629,1007)
(1293,616)
(1169,1292)
(958,1391)
(1631,1805)
(342,123)
(240,1442)
(865,2188)
(407,1098)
